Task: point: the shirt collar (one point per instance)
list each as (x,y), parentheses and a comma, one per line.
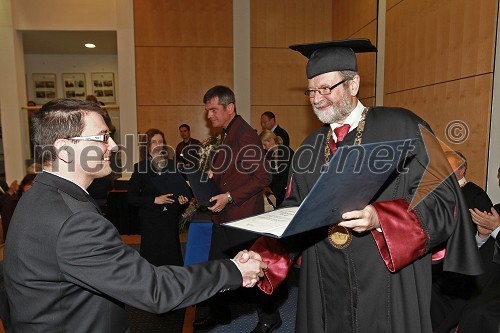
(462,181)
(353,119)
(228,128)
(272,129)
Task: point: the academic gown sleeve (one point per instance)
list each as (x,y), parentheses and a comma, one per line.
(433,217)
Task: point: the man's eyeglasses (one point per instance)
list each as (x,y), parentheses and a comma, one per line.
(99,138)
(323,91)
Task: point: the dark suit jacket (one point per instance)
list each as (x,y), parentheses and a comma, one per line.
(67,270)
(278,131)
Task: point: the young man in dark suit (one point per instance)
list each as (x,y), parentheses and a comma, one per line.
(66,267)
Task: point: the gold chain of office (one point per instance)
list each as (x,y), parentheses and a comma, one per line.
(338,236)
(357,139)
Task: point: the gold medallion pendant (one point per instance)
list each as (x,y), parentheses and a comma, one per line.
(339,237)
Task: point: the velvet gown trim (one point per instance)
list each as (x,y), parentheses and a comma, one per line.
(395,253)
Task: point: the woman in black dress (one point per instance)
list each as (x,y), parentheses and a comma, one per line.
(159,191)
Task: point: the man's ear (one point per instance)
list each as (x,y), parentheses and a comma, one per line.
(230,108)
(354,85)
(63,151)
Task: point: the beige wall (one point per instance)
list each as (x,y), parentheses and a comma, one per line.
(183,48)
(278,74)
(439,64)
(190,63)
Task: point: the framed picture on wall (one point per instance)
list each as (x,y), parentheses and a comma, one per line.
(74,85)
(103,87)
(44,87)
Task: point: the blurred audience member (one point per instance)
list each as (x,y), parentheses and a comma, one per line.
(186,151)
(6,190)
(11,202)
(268,122)
(34,168)
(279,157)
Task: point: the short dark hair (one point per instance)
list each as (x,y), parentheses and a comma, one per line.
(186,126)
(58,119)
(269,115)
(92,98)
(225,95)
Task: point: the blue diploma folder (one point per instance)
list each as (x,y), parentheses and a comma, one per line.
(351,180)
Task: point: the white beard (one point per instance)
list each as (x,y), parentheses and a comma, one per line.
(335,113)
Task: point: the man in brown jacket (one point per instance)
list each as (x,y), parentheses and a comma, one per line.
(238,170)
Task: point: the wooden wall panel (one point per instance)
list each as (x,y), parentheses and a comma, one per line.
(280,23)
(367,61)
(351,16)
(183,23)
(449,105)
(370,101)
(391,3)
(180,75)
(183,48)
(278,77)
(299,121)
(169,118)
(436,41)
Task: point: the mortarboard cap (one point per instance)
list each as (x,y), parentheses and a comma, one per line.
(333,56)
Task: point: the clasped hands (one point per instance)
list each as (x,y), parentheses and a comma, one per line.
(166,199)
(486,221)
(251,266)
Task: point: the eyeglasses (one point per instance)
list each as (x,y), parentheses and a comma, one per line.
(322,91)
(99,138)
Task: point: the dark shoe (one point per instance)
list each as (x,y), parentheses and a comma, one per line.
(267,328)
(209,322)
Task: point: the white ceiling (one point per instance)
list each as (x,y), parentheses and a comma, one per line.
(69,42)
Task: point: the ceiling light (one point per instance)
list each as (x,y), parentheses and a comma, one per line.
(90,45)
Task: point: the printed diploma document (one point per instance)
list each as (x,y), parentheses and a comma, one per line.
(351,180)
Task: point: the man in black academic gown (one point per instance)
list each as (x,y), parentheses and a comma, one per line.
(452,291)
(371,272)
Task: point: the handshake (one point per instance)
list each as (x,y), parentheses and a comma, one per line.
(251,266)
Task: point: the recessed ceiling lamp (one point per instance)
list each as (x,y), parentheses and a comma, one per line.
(89,45)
